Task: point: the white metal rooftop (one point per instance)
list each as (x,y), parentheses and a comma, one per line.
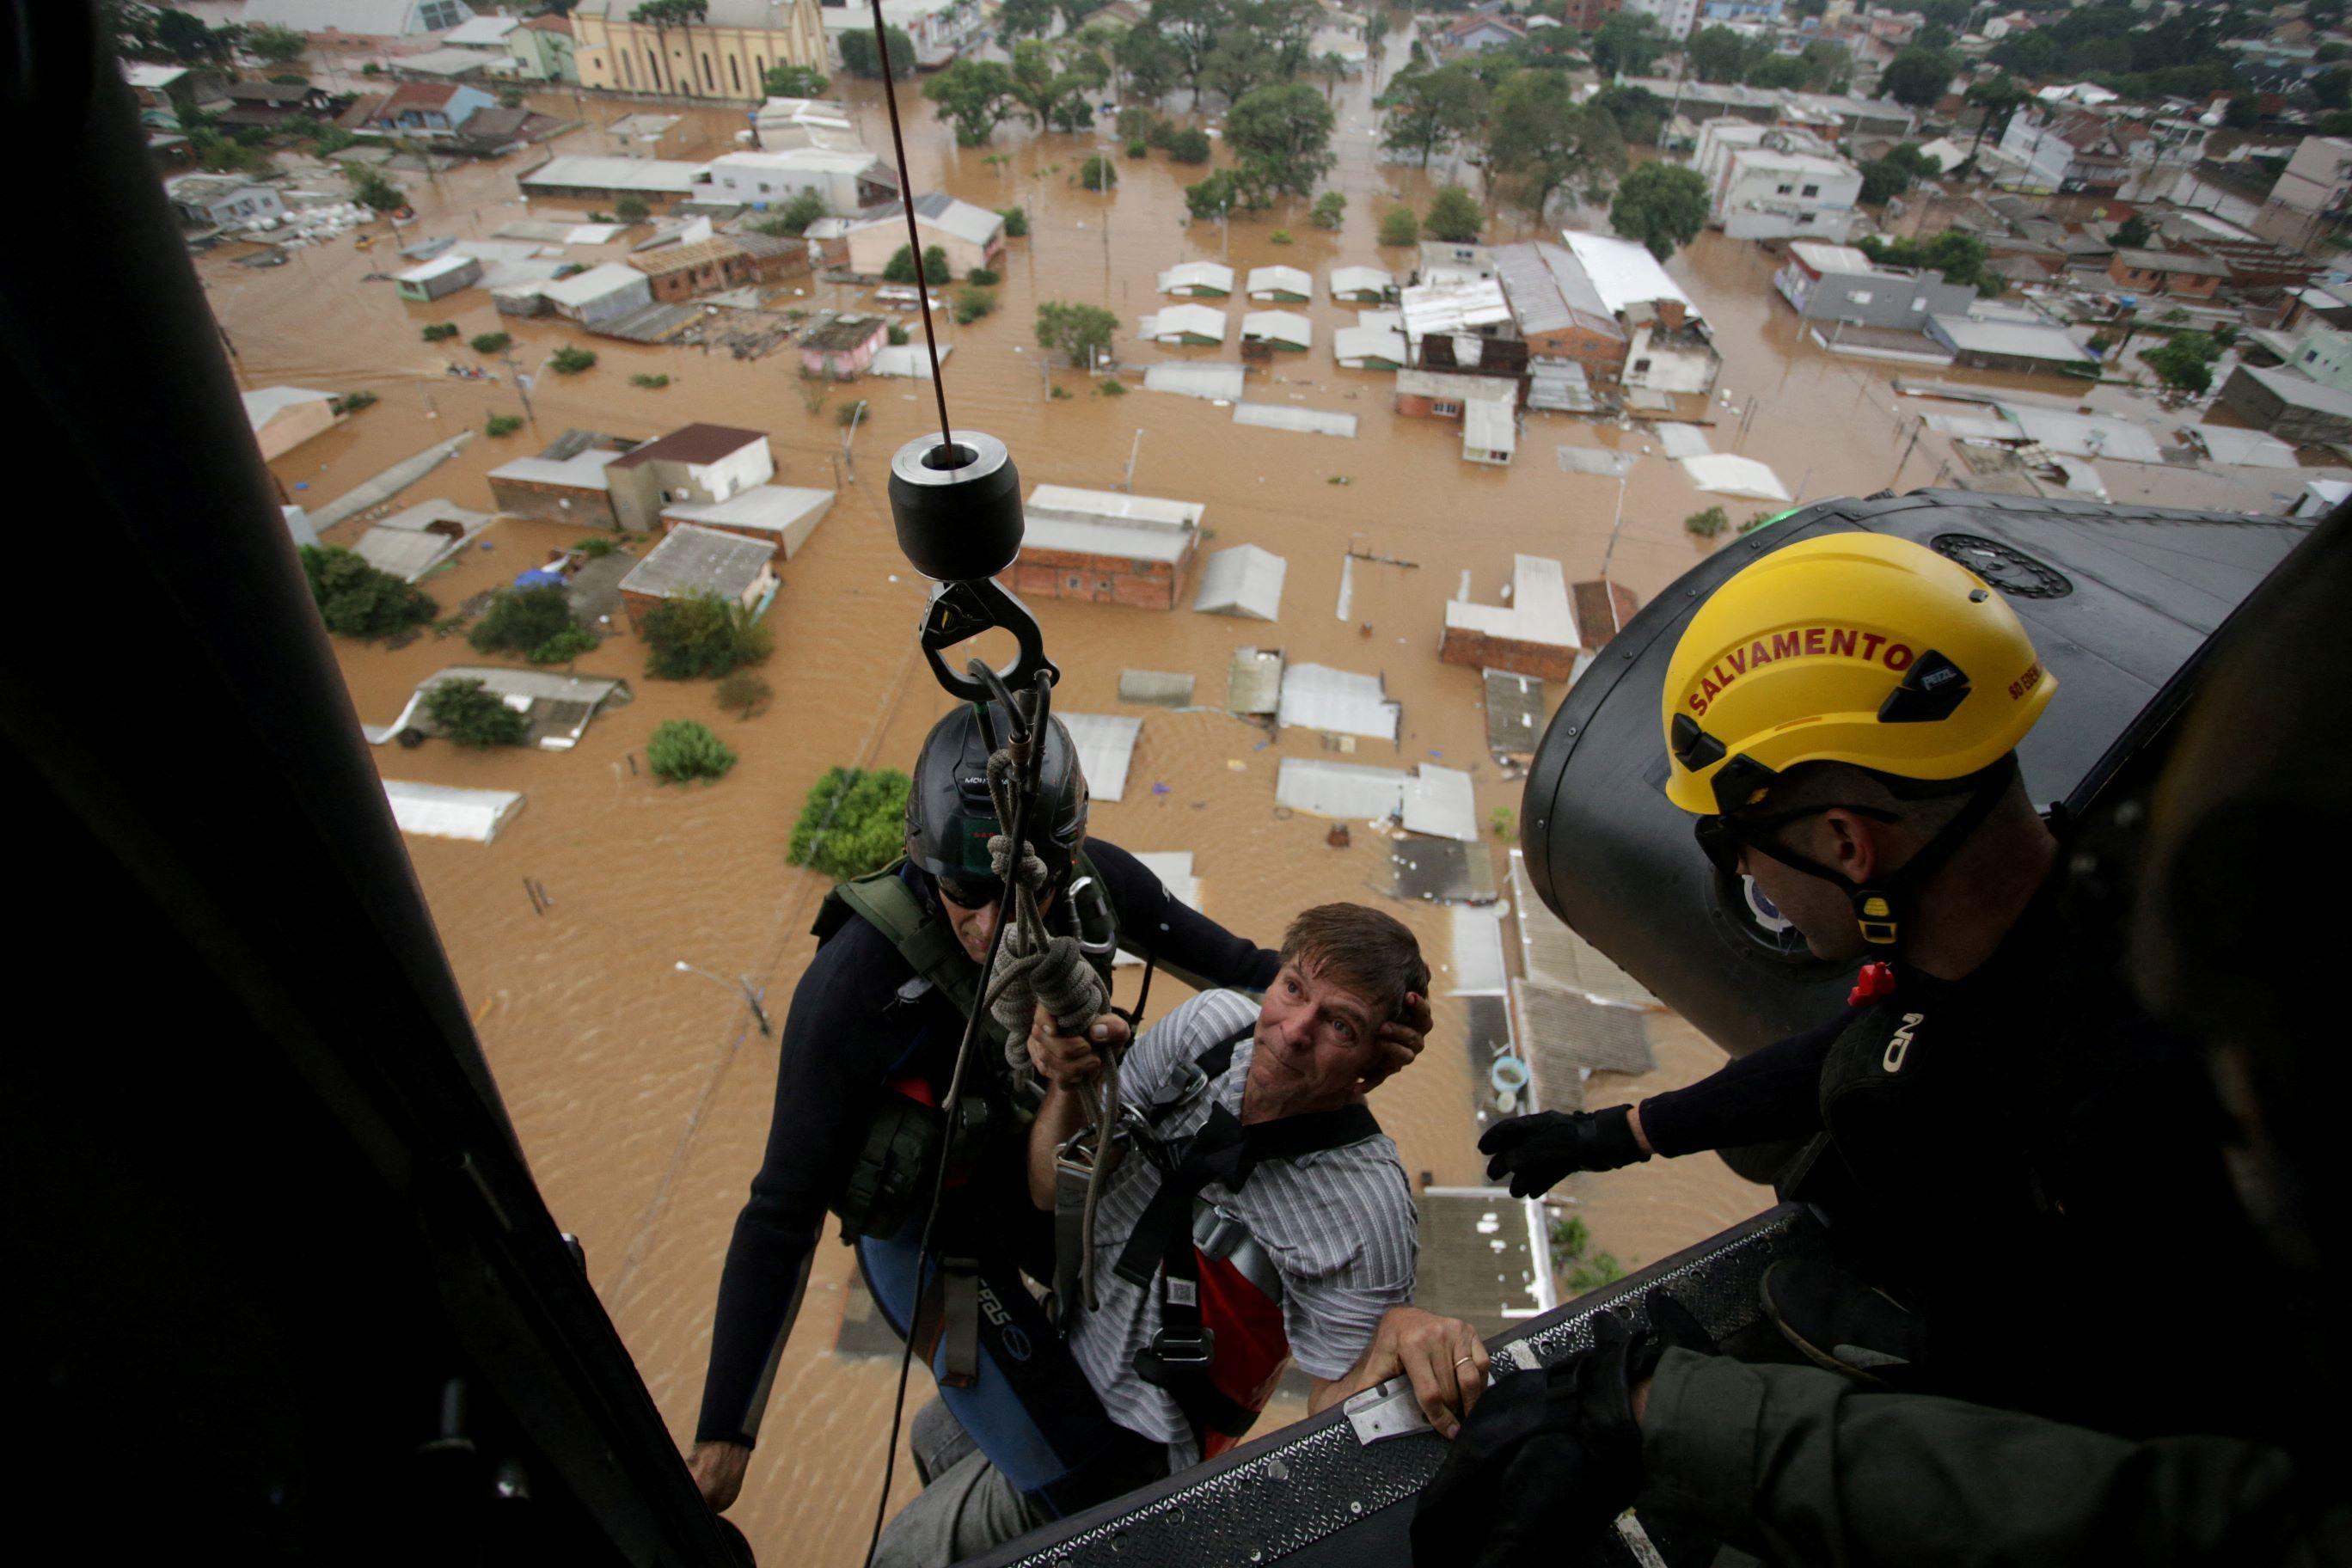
(1106,744)
(666,176)
(1623,272)
(1317,697)
(1197,278)
(1242,581)
(1273,283)
(1539,610)
(1111,522)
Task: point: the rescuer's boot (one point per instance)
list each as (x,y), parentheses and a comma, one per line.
(1841,1323)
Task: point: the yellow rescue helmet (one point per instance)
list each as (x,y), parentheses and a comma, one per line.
(1847,647)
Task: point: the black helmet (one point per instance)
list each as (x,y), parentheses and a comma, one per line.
(950,818)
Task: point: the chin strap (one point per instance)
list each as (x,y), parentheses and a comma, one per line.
(1881,904)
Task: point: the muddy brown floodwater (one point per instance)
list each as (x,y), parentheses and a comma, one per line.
(642,1095)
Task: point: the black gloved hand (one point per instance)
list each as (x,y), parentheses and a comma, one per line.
(1547,1459)
(1537,1150)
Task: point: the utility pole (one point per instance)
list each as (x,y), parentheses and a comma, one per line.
(1615,523)
(1906,457)
(847,434)
(522,388)
(1134,451)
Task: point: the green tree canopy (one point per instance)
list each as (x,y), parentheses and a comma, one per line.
(1433,111)
(1628,43)
(1018,19)
(1283,135)
(1078,332)
(1214,198)
(860,57)
(1662,204)
(1957,254)
(1717,54)
(702,634)
(520,620)
(794,81)
(1639,114)
(681,750)
(1538,134)
(1916,77)
(975,95)
(852,822)
(473,715)
(356,600)
(1456,216)
(275,44)
(2131,233)
(1399,226)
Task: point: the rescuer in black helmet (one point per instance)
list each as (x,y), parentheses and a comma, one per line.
(2230,946)
(868,1049)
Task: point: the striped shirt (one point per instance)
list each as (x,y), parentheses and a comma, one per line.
(1339,1225)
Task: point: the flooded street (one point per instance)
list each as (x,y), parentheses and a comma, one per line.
(642,1095)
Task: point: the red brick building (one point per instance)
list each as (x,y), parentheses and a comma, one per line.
(1558,312)
(1106,547)
(1535,633)
(679,272)
(2176,272)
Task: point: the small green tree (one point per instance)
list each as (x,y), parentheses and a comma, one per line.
(473,715)
(984,275)
(972,303)
(1600,1268)
(851,822)
(1097,173)
(2185,363)
(743,691)
(1454,215)
(652,381)
(1080,333)
(860,57)
(521,619)
(1016,222)
(1708,524)
(356,600)
(2131,233)
(898,336)
(794,81)
(1330,210)
(974,96)
(596,546)
(698,635)
(1500,821)
(493,343)
(1662,204)
(440,332)
(372,191)
(936,270)
(565,647)
(1214,198)
(1189,146)
(570,360)
(353,402)
(1399,226)
(684,750)
(498,426)
(900,268)
(631,208)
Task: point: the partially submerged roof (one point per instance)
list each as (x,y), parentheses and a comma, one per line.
(1623,272)
(1828,258)
(1454,305)
(1197,278)
(1479,969)
(1106,743)
(1726,474)
(1267,282)
(1181,322)
(1548,289)
(1515,713)
(582,470)
(663,176)
(1538,611)
(1306,421)
(2095,436)
(557,707)
(1156,688)
(843,335)
(444,811)
(439,266)
(1433,800)
(1485,1257)
(943,212)
(685,258)
(1111,522)
(1487,426)
(1242,581)
(586,288)
(1214,383)
(1347,282)
(1317,697)
(2300,391)
(2228,444)
(1254,680)
(696,443)
(787,511)
(691,560)
(1362,346)
(266,403)
(2012,339)
(2171,261)
(1440,802)
(1288,327)
(1567,1034)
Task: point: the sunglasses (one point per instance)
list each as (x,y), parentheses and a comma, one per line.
(1722,840)
(970,892)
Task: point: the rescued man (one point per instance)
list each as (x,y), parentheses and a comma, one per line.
(1841,716)
(1801,1466)
(867,1047)
(1259,1202)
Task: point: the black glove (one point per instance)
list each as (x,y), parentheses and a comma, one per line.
(1547,1459)
(1537,1150)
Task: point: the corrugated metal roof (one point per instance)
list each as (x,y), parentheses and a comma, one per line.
(1106,522)
(1485,1258)
(1452,305)
(2086,435)
(1440,802)
(268,402)
(1683,440)
(2301,390)
(1623,272)
(1242,581)
(667,176)
(1360,345)
(2018,340)
(1487,426)
(1254,680)
(583,470)
(1286,327)
(1348,282)
(1106,743)
(598,282)
(444,811)
(1548,289)
(1319,697)
(1307,421)
(1177,322)
(1158,688)
(691,560)
(1566,1036)
(1341,789)
(1515,713)
(2227,444)
(1214,383)
(1478,966)
(1266,282)
(1197,276)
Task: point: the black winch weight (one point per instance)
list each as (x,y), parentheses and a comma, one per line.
(957,507)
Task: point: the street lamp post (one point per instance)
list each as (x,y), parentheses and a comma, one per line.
(759,1014)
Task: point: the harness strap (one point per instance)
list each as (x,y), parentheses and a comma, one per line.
(884,902)
(947,1325)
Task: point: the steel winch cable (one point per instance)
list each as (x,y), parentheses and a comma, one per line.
(914,236)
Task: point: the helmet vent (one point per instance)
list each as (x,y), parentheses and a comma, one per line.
(2005,566)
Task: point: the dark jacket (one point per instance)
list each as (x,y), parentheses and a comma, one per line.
(860,1019)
